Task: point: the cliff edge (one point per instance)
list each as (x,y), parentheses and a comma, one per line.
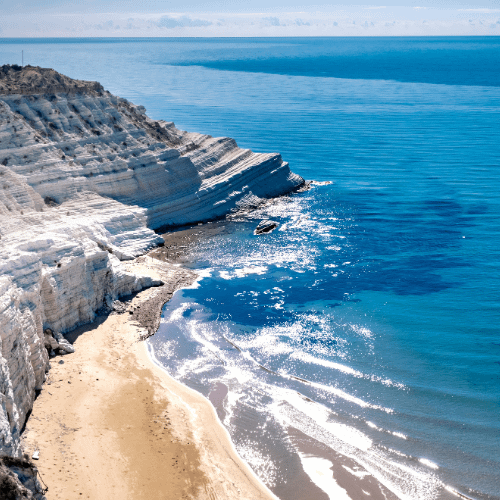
(85,179)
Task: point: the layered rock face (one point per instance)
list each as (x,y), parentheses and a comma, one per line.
(85,178)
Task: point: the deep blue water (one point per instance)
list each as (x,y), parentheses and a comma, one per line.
(379,290)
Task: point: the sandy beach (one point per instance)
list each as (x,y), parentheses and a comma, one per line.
(109,423)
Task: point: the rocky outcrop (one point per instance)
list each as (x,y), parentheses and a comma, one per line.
(85,178)
(18,480)
(34,80)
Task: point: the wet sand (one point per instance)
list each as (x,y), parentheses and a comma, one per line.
(110,424)
(350,479)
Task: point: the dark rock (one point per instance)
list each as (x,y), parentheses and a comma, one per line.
(51,202)
(50,343)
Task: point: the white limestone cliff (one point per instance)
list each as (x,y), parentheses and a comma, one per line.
(85,178)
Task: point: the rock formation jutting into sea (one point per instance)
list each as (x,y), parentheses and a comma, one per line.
(85,179)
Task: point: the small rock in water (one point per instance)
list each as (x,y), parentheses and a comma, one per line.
(266,226)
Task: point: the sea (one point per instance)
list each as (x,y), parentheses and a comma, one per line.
(353,352)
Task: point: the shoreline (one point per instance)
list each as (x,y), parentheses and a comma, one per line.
(110,423)
(177,427)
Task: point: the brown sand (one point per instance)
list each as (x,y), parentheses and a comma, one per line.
(109,424)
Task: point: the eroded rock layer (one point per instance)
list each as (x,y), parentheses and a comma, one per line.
(85,178)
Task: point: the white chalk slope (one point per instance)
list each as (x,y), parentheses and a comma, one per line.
(84,180)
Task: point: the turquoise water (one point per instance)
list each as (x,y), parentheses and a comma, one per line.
(379,292)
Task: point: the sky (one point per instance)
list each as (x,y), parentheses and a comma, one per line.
(167,18)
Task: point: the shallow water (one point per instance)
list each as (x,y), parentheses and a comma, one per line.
(364,328)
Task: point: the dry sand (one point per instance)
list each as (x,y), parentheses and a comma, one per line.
(109,424)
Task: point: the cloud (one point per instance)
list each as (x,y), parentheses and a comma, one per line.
(480,11)
(300,22)
(271,21)
(345,21)
(181,22)
(108,25)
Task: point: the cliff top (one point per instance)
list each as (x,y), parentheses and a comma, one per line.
(16,79)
